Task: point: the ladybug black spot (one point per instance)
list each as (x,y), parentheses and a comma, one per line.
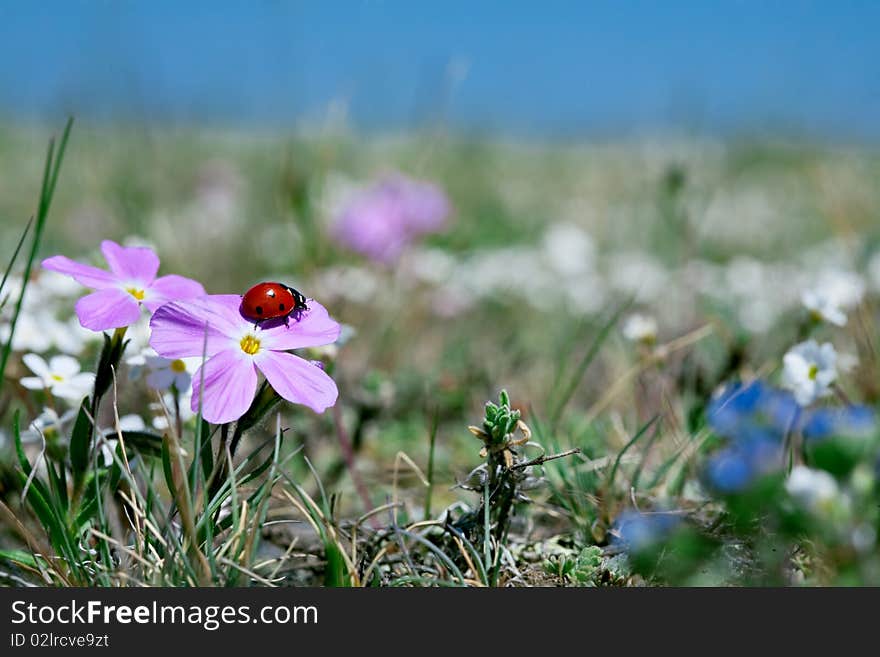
(281,307)
(259,310)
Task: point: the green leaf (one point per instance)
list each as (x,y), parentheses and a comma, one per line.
(81,441)
(42,503)
(111,353)
(166,466)
(58,484)
(144,443)
(207,453)
(19,558)
(837,455)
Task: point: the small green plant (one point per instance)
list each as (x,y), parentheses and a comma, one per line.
(503,480)
(581,569)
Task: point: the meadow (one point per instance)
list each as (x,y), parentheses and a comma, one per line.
(630,362)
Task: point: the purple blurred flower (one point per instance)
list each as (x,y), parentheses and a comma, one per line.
(236,350)
(120,292)
(380,221)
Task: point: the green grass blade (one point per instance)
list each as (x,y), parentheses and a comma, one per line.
(14,257)
(47,191)
(562,398)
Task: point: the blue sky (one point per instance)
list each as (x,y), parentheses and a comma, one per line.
(548,67)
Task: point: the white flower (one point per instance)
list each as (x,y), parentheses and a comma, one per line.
(162,373)
(814,489)
(835,292)
(48,424)
(845,287)
(823,308)
(130,422)
(61,376)
(640,328)
(569,249)
(137,361)
(810,369)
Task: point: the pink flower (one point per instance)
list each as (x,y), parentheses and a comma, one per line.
(130,283)
(236,350)
(383,219)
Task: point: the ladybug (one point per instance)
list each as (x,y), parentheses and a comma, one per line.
(272,301)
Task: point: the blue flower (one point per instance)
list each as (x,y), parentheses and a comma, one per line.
(636,531)
(848,421)
(756,417)
(751,411)
(734,468)
(729,470)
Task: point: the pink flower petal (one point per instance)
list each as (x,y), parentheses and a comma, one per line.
(107,309)
(297,380)
(87,275)
(228,306)
(171,288)
(314,328)
(178,328)
(230,385)
(131,263)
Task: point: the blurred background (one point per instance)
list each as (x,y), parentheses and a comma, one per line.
(703,162)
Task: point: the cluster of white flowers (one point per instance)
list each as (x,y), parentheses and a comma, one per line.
(567,272)
(39,328)
(811,370)
(51,349)
(39,333)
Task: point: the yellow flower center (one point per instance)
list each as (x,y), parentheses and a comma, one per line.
(250,345)
(814,370)
(179,366)
(136,293)
(55,377)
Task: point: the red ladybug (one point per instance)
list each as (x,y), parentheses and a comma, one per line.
(272,301)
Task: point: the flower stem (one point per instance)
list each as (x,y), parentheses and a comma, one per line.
(348,455)
(266,400)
